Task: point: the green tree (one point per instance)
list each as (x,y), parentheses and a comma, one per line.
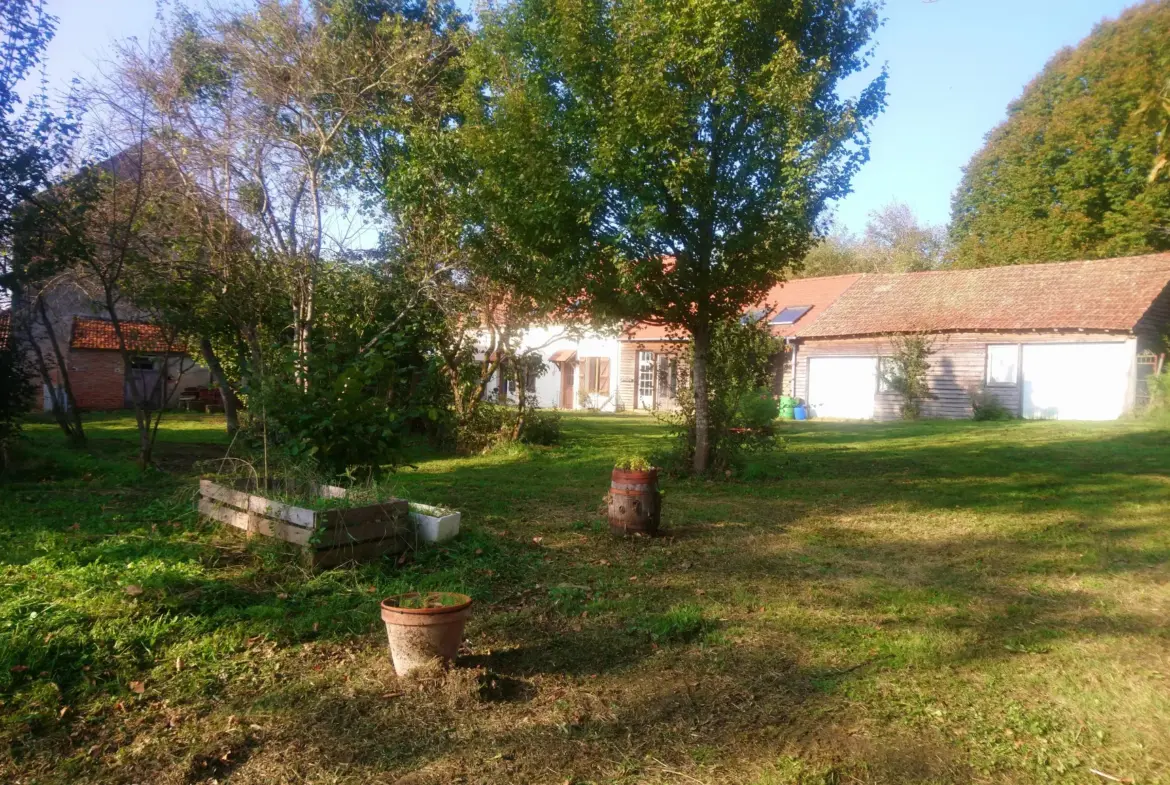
(669,160)
(33,140)
(1066,176)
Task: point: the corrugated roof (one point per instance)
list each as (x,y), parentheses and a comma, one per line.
(1106,294)
(817,293)
(141,337)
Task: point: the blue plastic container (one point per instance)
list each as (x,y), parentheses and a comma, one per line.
(800,412)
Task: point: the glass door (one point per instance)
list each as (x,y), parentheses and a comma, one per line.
(645,380)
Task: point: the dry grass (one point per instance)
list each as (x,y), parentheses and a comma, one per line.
(943,602)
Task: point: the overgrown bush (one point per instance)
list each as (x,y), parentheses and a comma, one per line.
(1159,387)
(365,388)
(493,424)
(905,372)
(985,406)
(743,410)
(16,391)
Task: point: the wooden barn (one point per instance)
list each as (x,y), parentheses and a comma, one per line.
(1068,341)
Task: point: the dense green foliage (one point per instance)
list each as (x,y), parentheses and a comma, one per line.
(668,160)
(894,242)
(1067,175)
(16,394)
(366,387)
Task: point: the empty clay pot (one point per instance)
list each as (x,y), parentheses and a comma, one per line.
(425,627)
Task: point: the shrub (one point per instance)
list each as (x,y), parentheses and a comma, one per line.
(985,406)
(493,424)
(16,391)
(1159,387)
(757,409)
(905,373)
(743,410)
(541,427)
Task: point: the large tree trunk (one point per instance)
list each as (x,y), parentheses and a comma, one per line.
(229,396)
(702,338)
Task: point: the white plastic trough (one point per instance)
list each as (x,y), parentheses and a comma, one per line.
(434,524)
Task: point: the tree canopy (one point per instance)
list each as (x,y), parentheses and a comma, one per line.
(1067,175)
(669,159)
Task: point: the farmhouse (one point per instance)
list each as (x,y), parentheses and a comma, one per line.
(1069,340)
(98,374)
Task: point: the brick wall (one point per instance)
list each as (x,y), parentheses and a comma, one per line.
(97,378)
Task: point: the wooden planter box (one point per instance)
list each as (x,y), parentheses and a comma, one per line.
(328,537)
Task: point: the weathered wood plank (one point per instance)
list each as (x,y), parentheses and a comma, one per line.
(255,523)
(351,534)
(361,552)
(390,509)
(298,516)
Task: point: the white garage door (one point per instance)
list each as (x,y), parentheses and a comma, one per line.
(842,387)
(1076,381)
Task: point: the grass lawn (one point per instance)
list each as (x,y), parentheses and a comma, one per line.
(933,603)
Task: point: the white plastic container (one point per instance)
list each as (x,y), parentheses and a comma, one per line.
(434,524)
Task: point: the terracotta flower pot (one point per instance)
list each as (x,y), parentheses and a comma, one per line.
(423,628)
(635,506)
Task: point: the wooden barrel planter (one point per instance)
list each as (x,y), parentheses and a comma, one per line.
(635,505)
(327,538)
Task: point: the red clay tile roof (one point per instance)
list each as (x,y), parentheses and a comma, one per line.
(819,293)
(1106,295)
(99,334)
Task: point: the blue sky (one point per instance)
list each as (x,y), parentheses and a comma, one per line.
(954,66)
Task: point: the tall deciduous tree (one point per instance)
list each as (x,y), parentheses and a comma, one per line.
(1066,176)
(669,159)
(33,140)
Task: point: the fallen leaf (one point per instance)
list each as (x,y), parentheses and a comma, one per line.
(134,590)
(479,551)
(316,626)
(538,540)
(282,596)
(61,713)
(178,663)
(633,577)
(137,687)
(18,668)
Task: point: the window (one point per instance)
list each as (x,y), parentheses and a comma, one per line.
(791,314)
(1003,364)
(596,372)
(646,377)
(140,363)
(667,376)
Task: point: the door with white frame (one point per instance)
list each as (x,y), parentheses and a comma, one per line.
(646,370)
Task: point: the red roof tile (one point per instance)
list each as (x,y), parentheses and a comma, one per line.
(140,336)
(818,293)
(1106,294)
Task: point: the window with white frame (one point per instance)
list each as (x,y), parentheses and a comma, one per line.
(1003,364)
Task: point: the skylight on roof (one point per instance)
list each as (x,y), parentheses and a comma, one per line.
(791,315)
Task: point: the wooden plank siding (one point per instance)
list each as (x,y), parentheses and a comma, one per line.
(628,379)
(958,367)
